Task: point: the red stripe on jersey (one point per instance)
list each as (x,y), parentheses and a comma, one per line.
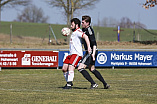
(83,34)
(76,29)
(80,31)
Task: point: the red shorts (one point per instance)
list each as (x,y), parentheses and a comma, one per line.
(72,59)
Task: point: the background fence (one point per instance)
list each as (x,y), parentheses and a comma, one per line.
(16,30)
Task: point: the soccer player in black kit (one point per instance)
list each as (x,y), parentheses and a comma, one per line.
(89,59)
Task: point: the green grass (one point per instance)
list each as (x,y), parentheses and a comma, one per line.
(43,86)
(31,29)
(105,33)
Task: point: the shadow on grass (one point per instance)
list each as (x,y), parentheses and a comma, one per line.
(75,88)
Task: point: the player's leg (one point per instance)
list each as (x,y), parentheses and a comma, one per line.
(98,76)
(72,64)
(65,71)
(65,67)
(81,69)
(70,77)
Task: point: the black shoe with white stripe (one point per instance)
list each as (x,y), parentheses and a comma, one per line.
(68,86)
(93,86)
(107,86)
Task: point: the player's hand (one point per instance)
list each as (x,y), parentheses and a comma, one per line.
(89,50)
(93,56)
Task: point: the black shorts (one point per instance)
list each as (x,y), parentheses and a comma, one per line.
(88,59)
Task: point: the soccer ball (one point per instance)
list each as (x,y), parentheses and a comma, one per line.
(65,31)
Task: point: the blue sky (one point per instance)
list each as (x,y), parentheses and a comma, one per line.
(105,8)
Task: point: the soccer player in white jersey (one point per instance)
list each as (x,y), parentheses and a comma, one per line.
(76,52)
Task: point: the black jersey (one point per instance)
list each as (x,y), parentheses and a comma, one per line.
(90,33)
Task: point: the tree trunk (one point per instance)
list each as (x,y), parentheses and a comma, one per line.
(67,13)
(72,8)
(0,12)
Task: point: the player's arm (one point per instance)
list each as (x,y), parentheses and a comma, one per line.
(93,44)
(94,51)
(85,37)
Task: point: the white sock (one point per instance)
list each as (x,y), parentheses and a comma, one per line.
(70,76)
(66,75)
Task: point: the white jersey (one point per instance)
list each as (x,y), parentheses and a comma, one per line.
(75,42)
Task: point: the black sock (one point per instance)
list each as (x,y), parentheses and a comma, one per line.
(86,75)
(99,76)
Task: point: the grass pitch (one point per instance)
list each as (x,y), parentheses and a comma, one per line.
(44,86)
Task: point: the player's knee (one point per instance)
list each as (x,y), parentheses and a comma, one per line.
(64,70)
(71,68)
(91,69)
(81,66)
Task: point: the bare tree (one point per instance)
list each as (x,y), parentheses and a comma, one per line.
(70,6)
(140,25)
(149,3)
(12,3)
(109,22)
(125,22)
(32,14)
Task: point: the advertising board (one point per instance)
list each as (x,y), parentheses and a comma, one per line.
(120,58)
(28,59)
(126,59)
(55,58)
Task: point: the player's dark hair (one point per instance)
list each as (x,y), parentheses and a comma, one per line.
(76,21)
(87,18)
